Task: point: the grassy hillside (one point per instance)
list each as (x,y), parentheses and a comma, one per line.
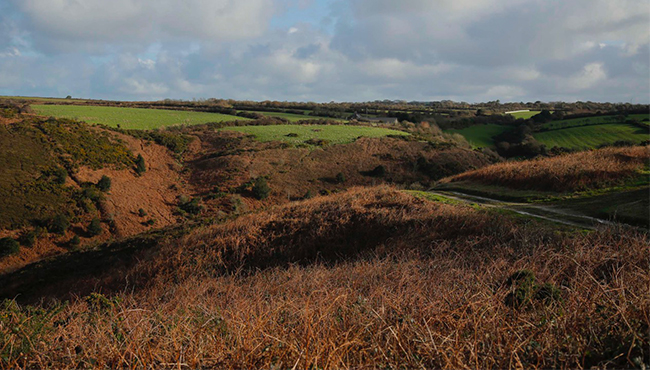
(131,118)
(591,121)
(370,278)
(292,117)
(60,176)
(565,173)
(589,137)
(293,134)
(480,136)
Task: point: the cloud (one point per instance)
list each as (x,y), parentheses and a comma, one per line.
(468,50)
(65,25)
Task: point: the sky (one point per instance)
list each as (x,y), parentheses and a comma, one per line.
(328,50)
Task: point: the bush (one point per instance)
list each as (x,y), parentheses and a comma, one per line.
(191,206)
(261,188)
(95,227)
(8,246)
(379,171)
(340,178)
(140,166)
(74,242)
(142,212)
(59,224)
(60,175)
(104,184)
(308,195)
(28,238)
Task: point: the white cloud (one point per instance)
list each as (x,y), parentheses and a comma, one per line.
(468,50)
(590,75)
(64,24)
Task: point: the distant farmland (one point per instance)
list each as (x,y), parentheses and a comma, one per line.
(590,121)
(292,117)
(131,118)
(299,134)
(588,137)
(524,115)
(480,136)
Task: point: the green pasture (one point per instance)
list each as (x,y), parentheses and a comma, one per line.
(525,115)
(588,137)
(131,118)
(480,136)
(292,117)
(299,134)
(554,125)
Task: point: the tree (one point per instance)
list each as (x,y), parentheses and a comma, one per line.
(60,175)
(8,246)
(59,224)
(261,188)
(340,178)
(95,227)
(140,167)
(104,184)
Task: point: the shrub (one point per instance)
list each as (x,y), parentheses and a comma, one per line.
(28,238)
(59,224)
(104,184)
(92,194)
(191,206)
(140,166)
(340,178)
(95,227)
(60,175)
(74,242)
(261,188)
(308,195)
(142,212)
(379,171)
(8,246)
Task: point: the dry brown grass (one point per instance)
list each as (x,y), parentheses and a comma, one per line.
(565,173)
(366,279)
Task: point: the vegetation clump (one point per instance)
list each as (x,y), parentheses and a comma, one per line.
(190,205)
(8,246)
(104,184)
(261,189)
(140,166)
(59,224)
(95,227)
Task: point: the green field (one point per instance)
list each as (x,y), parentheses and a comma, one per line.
(480,136)
(525,115)
(554,125)
(131,118)
(334,134)
(294,117)
(588,137)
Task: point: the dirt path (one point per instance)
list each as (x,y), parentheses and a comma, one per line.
(544,212)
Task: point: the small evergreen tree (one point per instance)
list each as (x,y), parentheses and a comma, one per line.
(59,224)
(60,175)
(95,227)
(261,188)
(340,178)
(74,242)
(8,246)
(104,184)
(140,166)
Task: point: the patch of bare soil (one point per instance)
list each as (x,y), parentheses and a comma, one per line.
(155,191)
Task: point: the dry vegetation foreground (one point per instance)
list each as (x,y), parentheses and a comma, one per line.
(565,173)
(368,278)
